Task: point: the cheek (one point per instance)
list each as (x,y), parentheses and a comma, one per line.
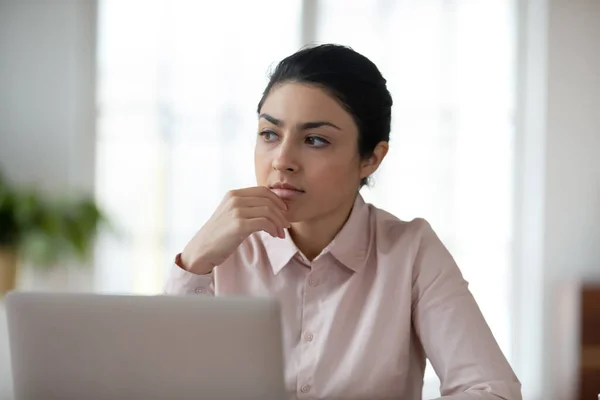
(261,166)
(330,174)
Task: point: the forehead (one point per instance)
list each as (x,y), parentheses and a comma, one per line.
(295,102)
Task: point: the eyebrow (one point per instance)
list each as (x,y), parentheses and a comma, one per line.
(303,126)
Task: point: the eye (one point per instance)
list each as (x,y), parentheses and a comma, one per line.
(316,141)
(268,136)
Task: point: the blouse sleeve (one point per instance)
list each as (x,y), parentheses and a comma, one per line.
(182,282)
(454,334)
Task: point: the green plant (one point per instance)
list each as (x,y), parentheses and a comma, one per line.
(46,231)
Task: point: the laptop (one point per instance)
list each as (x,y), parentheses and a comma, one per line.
(92,346)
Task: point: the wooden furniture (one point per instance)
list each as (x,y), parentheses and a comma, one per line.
(589,357)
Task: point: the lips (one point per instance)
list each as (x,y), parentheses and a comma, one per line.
(287,194)
(286,191)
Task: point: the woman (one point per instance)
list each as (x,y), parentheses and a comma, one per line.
(365,297)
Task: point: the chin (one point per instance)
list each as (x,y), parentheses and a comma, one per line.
(296,214)
(293,216)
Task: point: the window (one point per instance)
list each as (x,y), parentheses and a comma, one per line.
(177,98)
(177,94)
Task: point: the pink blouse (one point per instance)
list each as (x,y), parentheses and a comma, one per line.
(362,317)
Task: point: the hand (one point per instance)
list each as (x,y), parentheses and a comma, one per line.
(240,213)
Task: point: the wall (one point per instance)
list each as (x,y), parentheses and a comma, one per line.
(47,103)
(572,212)
(573,140)
(47,113)
(47,99)
(558,192)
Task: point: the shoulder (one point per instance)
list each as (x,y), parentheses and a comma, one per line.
(392,232)
(412,244)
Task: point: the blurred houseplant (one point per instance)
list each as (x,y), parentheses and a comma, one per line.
(43,231)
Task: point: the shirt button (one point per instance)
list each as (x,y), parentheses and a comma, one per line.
(305,389)
(313,282)
(199,290)
(309,337)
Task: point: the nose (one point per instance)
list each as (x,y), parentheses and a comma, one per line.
(286,158)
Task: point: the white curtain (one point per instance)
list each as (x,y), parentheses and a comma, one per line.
(177,92)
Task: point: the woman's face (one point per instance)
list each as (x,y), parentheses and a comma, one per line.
(308,141)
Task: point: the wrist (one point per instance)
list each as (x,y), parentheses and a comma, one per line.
(200,266)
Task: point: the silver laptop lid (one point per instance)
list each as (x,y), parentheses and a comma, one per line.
(85,346)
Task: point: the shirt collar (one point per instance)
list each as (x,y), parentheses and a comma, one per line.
(350,246)
(279,251)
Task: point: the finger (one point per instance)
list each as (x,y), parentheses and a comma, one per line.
(250,202)
(275,198)
(263,211)
(260,191)
(268,212)
(261,224)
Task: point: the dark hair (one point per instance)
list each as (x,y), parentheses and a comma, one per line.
(352,79)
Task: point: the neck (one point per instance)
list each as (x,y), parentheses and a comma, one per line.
(312,236)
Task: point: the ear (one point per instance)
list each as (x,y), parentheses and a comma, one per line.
(369,165)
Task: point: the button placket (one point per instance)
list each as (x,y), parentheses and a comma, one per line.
(308,358)
(312,282)
(200,290)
